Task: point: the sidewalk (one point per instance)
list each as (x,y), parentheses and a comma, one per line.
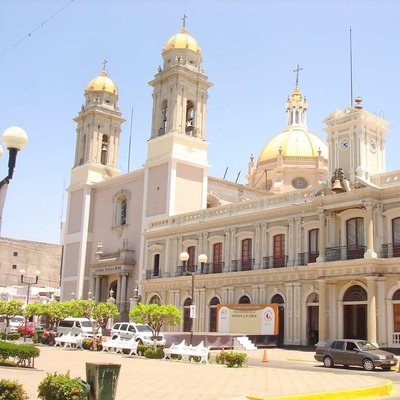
(174,380)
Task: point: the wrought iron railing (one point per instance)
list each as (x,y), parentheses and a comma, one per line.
(390,250)
(275,262)
(344,253)
(242,265)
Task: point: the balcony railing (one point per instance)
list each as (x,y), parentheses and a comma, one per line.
(275,262)
(307,258)
(152,274)
(390,250)
(344,253)
(242,265)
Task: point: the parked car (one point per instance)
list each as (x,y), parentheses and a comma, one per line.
(142,333)
(13,325)
(77,326)
(355,352)
(30,328)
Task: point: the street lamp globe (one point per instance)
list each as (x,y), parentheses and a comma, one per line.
(184,256)
(202,258)
(15,138)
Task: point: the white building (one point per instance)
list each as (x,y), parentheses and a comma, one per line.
(316,229)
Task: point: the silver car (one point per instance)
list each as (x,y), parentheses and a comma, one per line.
(355,352)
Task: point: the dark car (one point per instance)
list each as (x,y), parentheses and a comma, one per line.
(30,329)
(355,352)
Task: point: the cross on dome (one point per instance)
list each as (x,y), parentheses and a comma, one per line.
(297,70)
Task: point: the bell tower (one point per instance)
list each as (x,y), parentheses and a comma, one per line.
(356,140)
(176,166)
(96,159)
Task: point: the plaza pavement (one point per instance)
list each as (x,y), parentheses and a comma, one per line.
(142,378)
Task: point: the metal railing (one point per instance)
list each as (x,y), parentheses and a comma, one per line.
(344,253)
(275,262)
(242,265)
(389,250)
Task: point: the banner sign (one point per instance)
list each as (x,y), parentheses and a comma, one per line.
(250,319)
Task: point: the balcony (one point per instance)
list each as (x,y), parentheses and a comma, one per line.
(390,250)
(152,274)
(275,262)
(344,253)
(307,258)
(242,265)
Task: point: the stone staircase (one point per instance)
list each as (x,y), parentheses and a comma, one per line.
(243,343)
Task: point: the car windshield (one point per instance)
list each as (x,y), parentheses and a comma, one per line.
(366,346)
(143,328)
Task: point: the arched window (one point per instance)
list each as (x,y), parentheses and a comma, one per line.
(113,290)
(244,300)
(396,236)
(104,149)
(155,300)
(313,245)
(156,265)
(189,123)
(355,238)
(213,314)
(164,123)
(121,208)
(247,252)
(277,299)
(313,298)
(279,251)
(217,258)
(187,322)
(191,250)
(355,293)
(396,310)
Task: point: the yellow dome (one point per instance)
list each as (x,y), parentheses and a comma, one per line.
(182,40)
(296,95)
(294,142)
(102,83)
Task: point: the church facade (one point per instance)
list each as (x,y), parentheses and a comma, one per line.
(316,228)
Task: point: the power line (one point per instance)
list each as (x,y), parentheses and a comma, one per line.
(12,47)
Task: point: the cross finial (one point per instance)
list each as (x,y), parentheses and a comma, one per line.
(184,18)
(297,70)
(104,64)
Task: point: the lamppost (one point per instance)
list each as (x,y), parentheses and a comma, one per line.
(15,139)
(184,257)
(136,296)
(90,295)
(28,281)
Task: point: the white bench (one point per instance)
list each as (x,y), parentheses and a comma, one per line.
(111,344)
(186,352)
(119,344)
(69,339)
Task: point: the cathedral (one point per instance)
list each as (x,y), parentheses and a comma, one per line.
(314,230)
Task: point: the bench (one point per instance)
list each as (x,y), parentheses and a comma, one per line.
(186,351)
(119,344)
(68,340)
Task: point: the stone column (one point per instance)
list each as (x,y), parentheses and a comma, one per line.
(371,313)
(123,292)
(226,248)
(369,227)
(381,314)
(257,234)
(290,243)
(321,235)
(97,294)
(297,251)
(322,331)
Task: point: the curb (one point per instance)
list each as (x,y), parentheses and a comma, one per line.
(370,392)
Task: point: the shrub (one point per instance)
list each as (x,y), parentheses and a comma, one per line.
(151,353)
(141,349)
(10,336)
(234,359)
(62,387)
(92,343)
(11,390)
(25,354)
(220,358)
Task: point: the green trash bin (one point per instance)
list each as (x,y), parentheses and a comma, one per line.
(39,334)
(103,379)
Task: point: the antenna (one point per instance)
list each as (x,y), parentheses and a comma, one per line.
(351,71)
(238,176)
(130,141)
(226,170)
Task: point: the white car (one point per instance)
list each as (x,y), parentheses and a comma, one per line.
(142,333)
(15,322)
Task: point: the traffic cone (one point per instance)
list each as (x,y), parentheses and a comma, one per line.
(265,357)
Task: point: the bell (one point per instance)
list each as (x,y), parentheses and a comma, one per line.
(337,187)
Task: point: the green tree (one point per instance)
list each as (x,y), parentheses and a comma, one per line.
(156,316)
(102,312)
(54,312)
(10,309)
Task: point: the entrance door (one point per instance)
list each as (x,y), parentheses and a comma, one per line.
(187,321)
(312,325)
(279,251)
(355,321)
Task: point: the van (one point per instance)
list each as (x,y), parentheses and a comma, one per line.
(77,326)
(142,333)
(15,322)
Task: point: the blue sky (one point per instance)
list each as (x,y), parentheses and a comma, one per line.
(250,49)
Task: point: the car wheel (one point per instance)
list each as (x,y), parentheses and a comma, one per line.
(368,365)
(140,342)
(328,362)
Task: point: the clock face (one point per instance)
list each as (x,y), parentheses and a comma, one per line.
(372,145)
(344,144)
(299,183)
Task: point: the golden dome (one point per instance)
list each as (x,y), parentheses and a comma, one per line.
(102,83)
(294,142)
(296,95)
(182,40)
